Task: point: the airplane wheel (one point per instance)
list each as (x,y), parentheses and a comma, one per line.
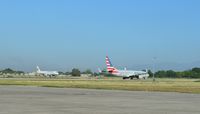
(124,78)
(137,77)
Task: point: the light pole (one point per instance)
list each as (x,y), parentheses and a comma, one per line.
(154,61)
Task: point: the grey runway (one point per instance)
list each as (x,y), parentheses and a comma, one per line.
(42,100)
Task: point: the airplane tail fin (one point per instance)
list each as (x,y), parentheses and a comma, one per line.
(38,68)
(110,67)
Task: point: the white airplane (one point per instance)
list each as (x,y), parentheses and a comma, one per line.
(126,74)
(47,73)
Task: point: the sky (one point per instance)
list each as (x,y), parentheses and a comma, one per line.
(65,34)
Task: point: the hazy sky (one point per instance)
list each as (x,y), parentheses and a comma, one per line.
(63,34)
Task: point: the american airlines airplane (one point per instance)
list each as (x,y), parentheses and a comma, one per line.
(47,73)
(126,74)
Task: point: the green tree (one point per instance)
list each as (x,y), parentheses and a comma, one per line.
(179,74)
(88,71)
(61,73)
(160,74)
(8,70)
(68,73)
(170,74)
(197,70)
(76,72)
(150,73)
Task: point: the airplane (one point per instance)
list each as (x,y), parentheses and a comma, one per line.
(125,74)
(46,73)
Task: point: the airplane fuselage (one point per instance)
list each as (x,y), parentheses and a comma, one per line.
(47,73)
(131,74)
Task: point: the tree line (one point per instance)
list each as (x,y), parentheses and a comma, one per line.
(77,72)
(10,71)
(193,73)
(74,72)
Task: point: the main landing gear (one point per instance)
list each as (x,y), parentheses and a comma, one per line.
(124,78)
(131,77)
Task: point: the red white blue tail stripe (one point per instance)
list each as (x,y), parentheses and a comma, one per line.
(110,67)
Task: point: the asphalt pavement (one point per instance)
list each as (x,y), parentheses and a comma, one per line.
(43,100)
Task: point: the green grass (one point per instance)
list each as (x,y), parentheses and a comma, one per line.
(162,85)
